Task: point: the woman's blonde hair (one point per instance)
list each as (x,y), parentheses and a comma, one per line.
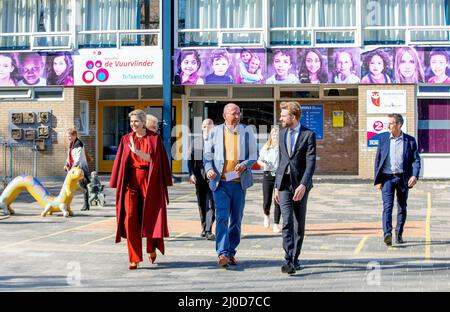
(139,113)
(269,142)
(151,121)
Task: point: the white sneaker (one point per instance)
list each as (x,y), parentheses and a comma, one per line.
(276,228)
(266,221)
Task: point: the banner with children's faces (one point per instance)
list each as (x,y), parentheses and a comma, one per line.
(220,66)
(385,65)
(36,69)
(128,66)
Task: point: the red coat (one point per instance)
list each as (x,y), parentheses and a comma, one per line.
(154,215)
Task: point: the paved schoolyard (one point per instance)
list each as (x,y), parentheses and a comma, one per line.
(342,251)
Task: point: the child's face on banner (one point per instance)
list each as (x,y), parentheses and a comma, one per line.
(6,67)
(31,70)
(246,56)
(376,65)
(282,64)
(59,65)
(253,66)
(438,64)
(312,62)
(220,66)
(189,65)
(407,66)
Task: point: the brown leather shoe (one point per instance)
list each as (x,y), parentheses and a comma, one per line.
(223,261)
(232,261)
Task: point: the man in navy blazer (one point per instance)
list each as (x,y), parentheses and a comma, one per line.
(397,167)
(293,181)
(197,176)
(229,155)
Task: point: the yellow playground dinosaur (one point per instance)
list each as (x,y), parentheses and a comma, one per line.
(41,194)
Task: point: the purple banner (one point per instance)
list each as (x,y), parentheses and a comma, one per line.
(36,69)
(313,65)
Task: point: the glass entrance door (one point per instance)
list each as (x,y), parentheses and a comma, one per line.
(113,123)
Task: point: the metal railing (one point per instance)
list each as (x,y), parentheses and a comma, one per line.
(221,32)
(36,41)
(15,160)
(408,33)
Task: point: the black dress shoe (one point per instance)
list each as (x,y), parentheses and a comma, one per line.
(210,236)
(84,208)
(288,268)
(203,234)
(399,239)
(388,239)
(297,266)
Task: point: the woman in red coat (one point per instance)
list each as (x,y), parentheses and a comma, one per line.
(141,174)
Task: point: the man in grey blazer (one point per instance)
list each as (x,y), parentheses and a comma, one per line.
(293,180)
(230,152)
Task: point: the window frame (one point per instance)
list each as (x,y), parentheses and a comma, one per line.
(262,31)
(408,30)
(74,35)
(85,131)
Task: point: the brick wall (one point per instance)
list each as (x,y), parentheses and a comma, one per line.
(367,154)
(51,161)
(87,94)
(337,153)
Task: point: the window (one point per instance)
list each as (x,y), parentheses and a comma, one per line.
(305,18)
(83,126)
(118,93)
(404,21)
(26,16)
(434,125)
(240,22)
(47,93)
(96,16)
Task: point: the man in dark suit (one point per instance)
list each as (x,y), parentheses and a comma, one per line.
(397,167)
(293,181)
(197,176)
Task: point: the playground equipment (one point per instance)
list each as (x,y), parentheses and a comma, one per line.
(41,194)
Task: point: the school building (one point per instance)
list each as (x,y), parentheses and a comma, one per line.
(129,54)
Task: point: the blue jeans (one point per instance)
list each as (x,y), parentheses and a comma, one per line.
(229,198)
(394,185)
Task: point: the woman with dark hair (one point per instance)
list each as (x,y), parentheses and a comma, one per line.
(376,63)
(141,175)
(188,65)
(312,67)
(439,62)
(60,69)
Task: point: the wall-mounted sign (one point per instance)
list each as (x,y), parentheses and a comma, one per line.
(312,118)
(133,66)
(386,101)
(338,119)
(376,126)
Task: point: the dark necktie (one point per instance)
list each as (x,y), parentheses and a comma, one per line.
(289,143)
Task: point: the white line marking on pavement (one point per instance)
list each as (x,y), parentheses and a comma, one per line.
(179,235)
(98,240)
(360,245)
(50,235)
